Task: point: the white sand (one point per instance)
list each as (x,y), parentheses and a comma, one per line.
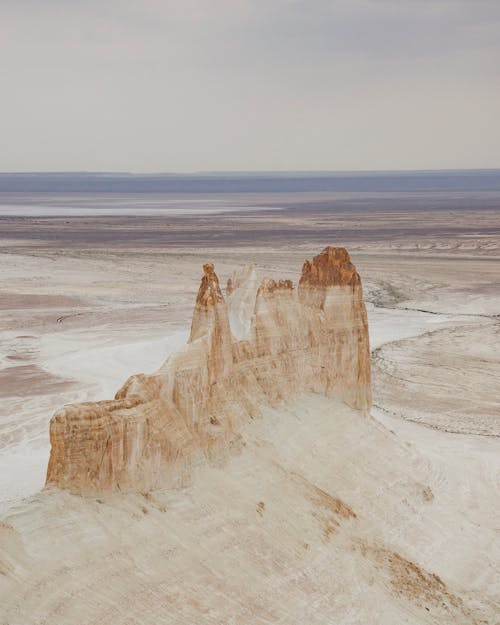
(104,361)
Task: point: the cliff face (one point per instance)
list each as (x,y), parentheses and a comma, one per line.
(262,344)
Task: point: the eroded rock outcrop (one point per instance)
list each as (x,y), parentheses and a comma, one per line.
(262,344)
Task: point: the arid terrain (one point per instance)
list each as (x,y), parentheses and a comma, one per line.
(325,516)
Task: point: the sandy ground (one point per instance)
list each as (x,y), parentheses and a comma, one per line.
(86,302)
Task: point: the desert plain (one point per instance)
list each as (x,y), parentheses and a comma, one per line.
(325,516)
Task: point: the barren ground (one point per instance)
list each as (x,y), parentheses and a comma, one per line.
(331,518)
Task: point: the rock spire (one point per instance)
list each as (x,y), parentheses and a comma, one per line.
(261,345)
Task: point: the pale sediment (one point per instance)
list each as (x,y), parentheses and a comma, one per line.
(310,339)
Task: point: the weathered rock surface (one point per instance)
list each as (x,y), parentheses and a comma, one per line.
(263,344)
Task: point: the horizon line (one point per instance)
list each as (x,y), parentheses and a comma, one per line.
(248,172)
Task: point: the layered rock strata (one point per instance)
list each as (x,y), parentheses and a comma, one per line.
(263,344)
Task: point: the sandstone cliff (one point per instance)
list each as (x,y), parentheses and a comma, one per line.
(262,344)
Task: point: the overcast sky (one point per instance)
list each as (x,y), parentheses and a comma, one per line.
(189,85)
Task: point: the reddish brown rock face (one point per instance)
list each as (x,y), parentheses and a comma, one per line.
(209,294)
(283,342)
(332,267)
(268,285)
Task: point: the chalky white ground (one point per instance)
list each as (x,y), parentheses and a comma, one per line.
(258,541)
(97,362)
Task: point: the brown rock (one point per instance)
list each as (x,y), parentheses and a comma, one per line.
(332,267)
(263,345)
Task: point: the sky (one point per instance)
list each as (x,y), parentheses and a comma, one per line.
(232,85)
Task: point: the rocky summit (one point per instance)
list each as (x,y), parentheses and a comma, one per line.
(265,342)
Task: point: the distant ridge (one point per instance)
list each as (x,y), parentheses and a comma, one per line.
(252,182)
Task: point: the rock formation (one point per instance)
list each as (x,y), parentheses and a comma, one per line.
(262,344)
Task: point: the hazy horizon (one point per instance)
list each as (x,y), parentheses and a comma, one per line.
(450,181)
(248,85)
(229,172)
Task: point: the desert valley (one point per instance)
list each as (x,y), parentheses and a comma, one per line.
(250,312)
(262,470)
